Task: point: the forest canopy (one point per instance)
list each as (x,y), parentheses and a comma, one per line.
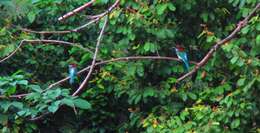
(155,66)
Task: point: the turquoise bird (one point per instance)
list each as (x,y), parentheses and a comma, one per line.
(72,73)
(182,55)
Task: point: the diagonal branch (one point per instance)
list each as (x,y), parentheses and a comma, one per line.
(10,55)
(206,58)
(71,13)
(94,59)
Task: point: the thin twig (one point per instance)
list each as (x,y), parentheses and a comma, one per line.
(94,59)
(40,117)
(206,58)
(85,25)
(10,55)
(44,42)
(44,32)
(106,12)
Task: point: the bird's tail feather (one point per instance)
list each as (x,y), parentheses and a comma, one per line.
(186,66)
(71,81)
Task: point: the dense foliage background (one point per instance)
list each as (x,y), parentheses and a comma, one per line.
(131,96)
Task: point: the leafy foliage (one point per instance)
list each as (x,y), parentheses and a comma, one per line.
(131,96)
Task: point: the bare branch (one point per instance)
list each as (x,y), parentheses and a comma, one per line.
(69,14)
(94,59)
(44,32)
(85,25)
(206,58)
(94,18)
(130,58)
(106,12)
(44,42)
(10,55)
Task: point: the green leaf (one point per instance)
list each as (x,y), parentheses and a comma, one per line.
(22,112)
(258,40)
(140,70)
(68,102)
(205,17)
(10,91)
(137,99)
(234,59)
(146,47)
(22,82)
(192,96)
(245,30)
(36,88)
(183,96)
(31,16)
(3,119)
(5,105)
(241,82)
(53,94)
(148,92)
(18,105)
(54,106)
(258,26)
(171,7)
(210,39)
(219,90)
(235,123)
(249,85)
(7,50)
(161,8)
(131,69)
(81,103)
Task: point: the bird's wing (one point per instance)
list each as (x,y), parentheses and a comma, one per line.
(182,56)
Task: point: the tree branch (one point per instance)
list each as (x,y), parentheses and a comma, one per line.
(94,18)
(44,42)
(71,13)
(94,59)
(130,58)
(206,58)
(10,55)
